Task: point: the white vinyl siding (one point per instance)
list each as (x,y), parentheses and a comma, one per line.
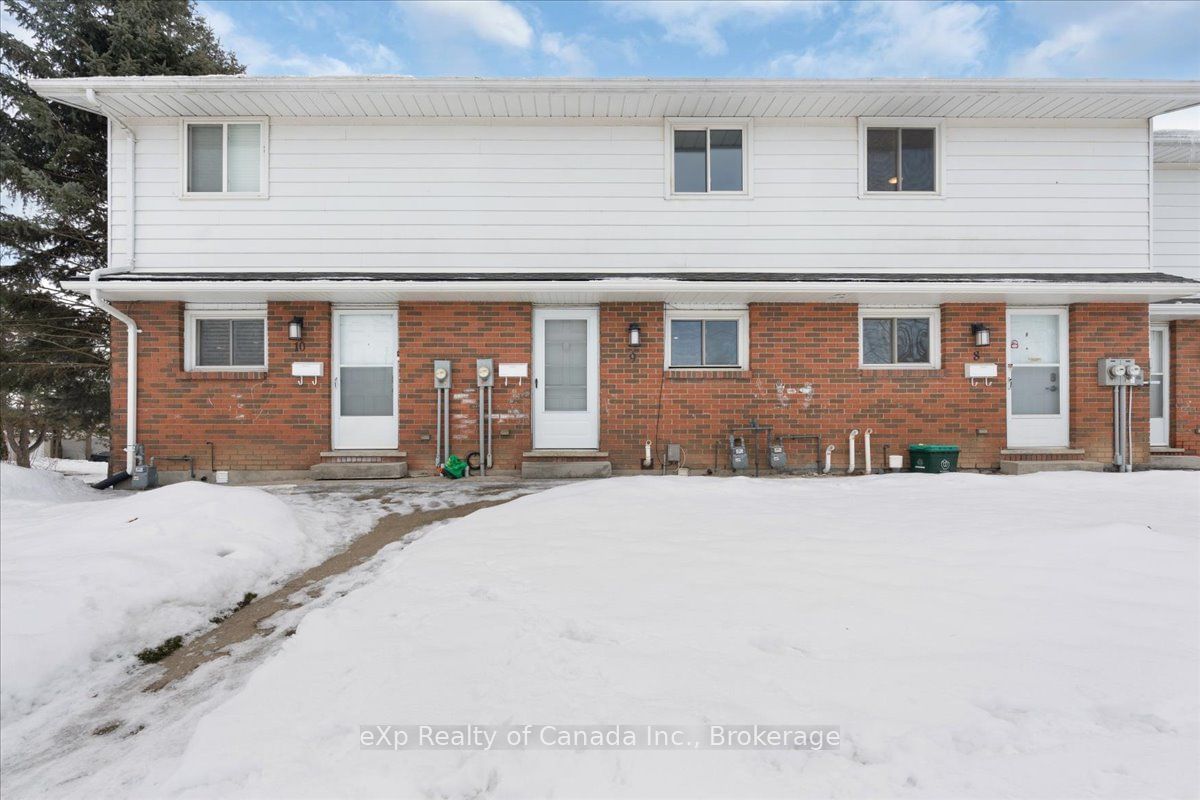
(1036,195)
(1177,219)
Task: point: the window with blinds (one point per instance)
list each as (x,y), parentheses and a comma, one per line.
(225,158)
(230,343)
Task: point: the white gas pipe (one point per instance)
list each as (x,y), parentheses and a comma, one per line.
(867,451)
(853,434)
(648,459)
(828,459)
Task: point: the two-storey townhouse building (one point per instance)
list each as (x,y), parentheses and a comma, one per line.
(1175,326)
(297,265)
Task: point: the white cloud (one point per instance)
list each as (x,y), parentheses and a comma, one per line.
(261,58)
(903,38)
(491,20)
(700,22)
(568,52)
(1103,39)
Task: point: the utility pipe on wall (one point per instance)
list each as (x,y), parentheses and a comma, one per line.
(828,459)
(867,451)
(853,435)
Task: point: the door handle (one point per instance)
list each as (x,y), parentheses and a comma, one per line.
(535,383)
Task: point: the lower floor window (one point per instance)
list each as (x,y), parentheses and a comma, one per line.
(900,337)
(702,339)
(226,340)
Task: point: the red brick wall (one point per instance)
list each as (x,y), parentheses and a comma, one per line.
(791,346)
(463,332)
(1185,385)
(1099,330)
(255,421)
(268,422)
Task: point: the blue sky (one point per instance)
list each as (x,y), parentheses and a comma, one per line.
(752,38)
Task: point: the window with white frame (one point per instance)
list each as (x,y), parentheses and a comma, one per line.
(224,157)
(707,338)
(900,157)
(904,338)
(229,338)
(708,158)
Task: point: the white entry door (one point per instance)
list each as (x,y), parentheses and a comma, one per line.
(1160,386)
(364,379)
(566,377)
(1038,378)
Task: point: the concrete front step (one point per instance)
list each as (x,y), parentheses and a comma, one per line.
(360,455)
(583,455)
(1027,467)
(1042,451)
(1174,462)
(359,470)
(566,469)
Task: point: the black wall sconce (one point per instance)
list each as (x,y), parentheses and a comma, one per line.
(635,339)
(296,332)
(983,335)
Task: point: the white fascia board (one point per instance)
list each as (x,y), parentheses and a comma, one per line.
(1170,311)
(625,289)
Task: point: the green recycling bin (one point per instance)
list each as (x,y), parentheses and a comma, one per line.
(933,458)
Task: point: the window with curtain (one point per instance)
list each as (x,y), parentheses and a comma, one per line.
(224,157)
(901,338)
(901,159)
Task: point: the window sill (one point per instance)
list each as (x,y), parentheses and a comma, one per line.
(224,196)
(892,370)
(709,196)
(864,195)
(224,375)
(729,374)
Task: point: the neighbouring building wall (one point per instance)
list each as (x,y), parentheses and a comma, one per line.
(1185,385)
(1045,195)
(1100,330)
(804,378)
(1177,219)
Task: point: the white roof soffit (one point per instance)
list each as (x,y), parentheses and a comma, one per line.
(1177,147)
(635,289)
(632,98)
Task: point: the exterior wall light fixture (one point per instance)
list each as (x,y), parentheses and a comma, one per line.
(983,335)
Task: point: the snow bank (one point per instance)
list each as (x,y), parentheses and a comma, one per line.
(971,636)
(21,487)
(87,584)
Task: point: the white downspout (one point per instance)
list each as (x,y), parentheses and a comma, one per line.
(130,261)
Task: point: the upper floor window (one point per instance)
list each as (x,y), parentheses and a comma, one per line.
(225,157)
(708,158)
(901,158)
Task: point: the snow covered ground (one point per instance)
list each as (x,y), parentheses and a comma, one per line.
(969,636)
(89,578)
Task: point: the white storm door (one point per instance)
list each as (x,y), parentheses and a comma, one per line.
(1160,386)
(566,377)
(1038,378)
(364,379)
